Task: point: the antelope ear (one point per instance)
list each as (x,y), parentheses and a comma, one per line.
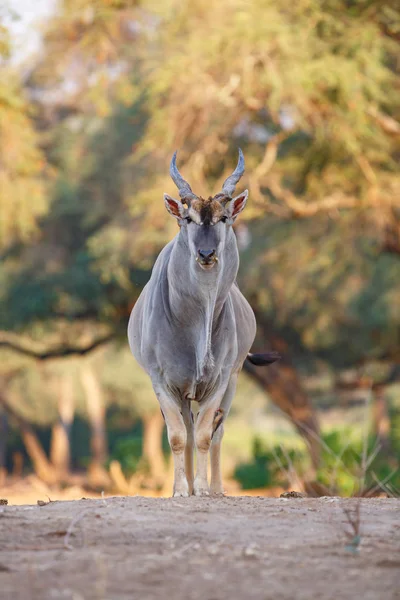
(236,205)
(174,207)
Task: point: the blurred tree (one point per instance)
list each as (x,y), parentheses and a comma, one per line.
(311,92)
(40,462)
(3,444)
(23,188)
(90,48)
(131,388)
(96,412)
(283,384)
(60,449)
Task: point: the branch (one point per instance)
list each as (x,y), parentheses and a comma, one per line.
(365,382)
(30,348)
(391,240)
(270,155)
(309,209)
(387,123)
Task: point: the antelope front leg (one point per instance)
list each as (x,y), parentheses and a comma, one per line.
(189,470)
(203,433)
(218,429)
(177,440)
(215,452)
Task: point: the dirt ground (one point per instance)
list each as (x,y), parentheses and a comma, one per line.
(198,548)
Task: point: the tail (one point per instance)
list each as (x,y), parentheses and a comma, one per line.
(260,360)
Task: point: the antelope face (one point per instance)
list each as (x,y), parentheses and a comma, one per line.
(204,223)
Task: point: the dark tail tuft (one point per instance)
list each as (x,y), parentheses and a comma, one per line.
(260,360)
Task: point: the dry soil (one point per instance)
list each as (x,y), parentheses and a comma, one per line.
(199,548)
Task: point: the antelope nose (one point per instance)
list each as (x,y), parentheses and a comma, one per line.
(206,255)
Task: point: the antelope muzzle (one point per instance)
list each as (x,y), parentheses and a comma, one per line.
(207,258)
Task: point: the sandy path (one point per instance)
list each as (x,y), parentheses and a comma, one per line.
(198,548)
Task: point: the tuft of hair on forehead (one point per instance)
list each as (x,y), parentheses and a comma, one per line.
(208,211)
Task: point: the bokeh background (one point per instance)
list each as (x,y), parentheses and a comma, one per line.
(95,95)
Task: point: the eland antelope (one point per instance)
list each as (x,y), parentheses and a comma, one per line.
(191,328)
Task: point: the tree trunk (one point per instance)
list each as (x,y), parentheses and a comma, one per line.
(97,421)
(153,426)
(282,383)
(3,446)
(41,465)
(283,386)
(18,465)
(380,409)
(381,419)
(60,452)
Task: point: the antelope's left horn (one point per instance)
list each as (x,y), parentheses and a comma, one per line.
(229,185)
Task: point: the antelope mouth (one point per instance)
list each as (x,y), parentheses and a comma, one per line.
(207,264)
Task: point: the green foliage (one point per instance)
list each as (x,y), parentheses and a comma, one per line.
(329,70)
(267,467)
(126,382)
(394,437)
(90,44)
(24,176)
(83,263)
(80,443)
(342,464)
(33,395)
(23,187)
(128,452)
(322,66)
(308,90)
(325,283)
(341,470)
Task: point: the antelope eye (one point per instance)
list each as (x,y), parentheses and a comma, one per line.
(223,219)
(188,219)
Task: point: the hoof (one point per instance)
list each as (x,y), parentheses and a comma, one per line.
(180,494)
(181,489)
(201,489)
(201,492)
(217,492)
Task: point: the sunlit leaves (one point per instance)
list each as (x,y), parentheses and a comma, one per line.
(121,85)
(23,193)
(238,63)
(90,48)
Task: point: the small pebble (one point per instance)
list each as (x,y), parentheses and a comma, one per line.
(250,550)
